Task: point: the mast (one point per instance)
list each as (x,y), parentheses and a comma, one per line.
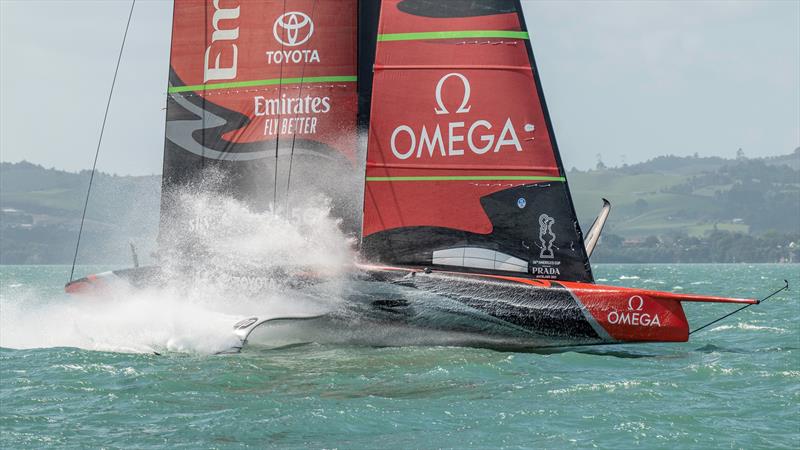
(368,14)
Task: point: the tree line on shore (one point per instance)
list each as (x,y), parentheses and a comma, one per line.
(718,246)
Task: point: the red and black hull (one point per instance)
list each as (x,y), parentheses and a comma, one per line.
(401,306)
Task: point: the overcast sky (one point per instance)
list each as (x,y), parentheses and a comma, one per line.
(628,80)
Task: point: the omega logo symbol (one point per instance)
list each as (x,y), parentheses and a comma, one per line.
(635,303)
(293,23)
(464,108)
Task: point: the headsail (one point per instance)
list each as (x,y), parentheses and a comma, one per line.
(462,165)
(252,83)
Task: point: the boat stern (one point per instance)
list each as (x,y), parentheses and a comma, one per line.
(91,284)
(137,277)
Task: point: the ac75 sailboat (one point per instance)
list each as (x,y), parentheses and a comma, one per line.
(468,226)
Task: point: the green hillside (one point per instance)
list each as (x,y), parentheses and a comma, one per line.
(41,212)
(693,196)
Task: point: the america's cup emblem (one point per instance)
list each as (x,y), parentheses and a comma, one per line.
(293,28)
(546,236)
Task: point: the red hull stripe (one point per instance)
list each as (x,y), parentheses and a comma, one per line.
(573,286)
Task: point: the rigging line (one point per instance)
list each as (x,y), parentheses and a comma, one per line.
(100,141)
(784,288)
(294,133)
(203,97)
(278,126)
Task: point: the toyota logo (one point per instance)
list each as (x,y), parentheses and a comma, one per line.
(297,27)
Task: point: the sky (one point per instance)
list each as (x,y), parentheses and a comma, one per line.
(626,80)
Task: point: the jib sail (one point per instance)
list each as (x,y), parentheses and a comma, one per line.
(257,87)
(463,170)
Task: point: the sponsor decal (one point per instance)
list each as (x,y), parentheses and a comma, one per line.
(521,202)
(293,29)
(292,56)
(297,115)
(223,44)
(634,315)
(290,115)
(248,284)
(546,236)
(464,108)
(454,138)
(547,266)
(545,269)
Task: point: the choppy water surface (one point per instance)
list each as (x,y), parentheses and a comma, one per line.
(78,375)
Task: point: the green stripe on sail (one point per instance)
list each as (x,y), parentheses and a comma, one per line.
(271,82)
(469,178)
(453,35)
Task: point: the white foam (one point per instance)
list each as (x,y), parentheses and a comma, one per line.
(749,327)
(229,250)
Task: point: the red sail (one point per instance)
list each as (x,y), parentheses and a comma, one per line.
(462,168)
(252,78)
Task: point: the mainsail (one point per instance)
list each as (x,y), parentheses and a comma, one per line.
(262,91)
(463,170)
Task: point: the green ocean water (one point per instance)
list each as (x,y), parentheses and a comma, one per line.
(75,375)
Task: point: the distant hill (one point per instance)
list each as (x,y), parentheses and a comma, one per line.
(668,199)
(693,195)
(40,212)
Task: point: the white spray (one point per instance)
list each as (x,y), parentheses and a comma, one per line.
(222,262)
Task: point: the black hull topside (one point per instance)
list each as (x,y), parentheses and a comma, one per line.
(395,306)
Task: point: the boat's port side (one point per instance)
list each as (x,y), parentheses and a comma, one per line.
(137,277)
(640,315)
(632,315)
(616,314)
(535,312)
(91,283)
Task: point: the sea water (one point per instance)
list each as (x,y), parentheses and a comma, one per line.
(78,373)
